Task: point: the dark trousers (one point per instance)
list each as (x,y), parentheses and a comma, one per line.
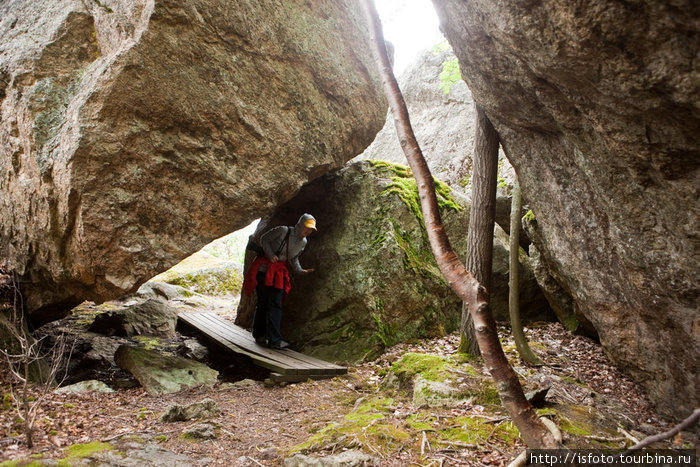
(268,312)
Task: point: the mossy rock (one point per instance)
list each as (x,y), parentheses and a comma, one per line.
(376,282)
(440,381)
(583,426)
(366,425)
(162,374)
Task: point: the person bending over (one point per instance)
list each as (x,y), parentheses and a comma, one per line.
(269,276)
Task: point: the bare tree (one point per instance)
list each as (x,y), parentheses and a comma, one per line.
(516,324)
(533,431)
(33,367)
(482,219)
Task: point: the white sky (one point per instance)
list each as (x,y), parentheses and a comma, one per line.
(411,25)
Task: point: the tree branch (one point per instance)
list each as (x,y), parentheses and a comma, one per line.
(685,424)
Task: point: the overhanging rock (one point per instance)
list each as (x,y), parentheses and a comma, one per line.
(597,109)
(135,132)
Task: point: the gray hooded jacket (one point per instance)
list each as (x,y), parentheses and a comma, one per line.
(273,239)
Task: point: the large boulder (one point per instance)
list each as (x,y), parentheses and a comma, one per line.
(376,281)
(154,317)
(135,132)
(597,109)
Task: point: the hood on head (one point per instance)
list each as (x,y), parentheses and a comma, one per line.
(306,220)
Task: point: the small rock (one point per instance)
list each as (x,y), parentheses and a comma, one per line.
(350,458)
(84,386)
(268,454)
(199,410)
(201,431)
(245,383)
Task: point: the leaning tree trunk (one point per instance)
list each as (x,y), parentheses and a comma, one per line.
(533,431)
(514,282)
(481,220)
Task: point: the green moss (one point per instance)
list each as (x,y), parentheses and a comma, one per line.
(465,181)
(7,401)
(160,438)
(150,342)
(366,425)
(22,463)
(418,259)
(530,216)
(570,322)
(573,428)
(404,186)
(473,430)
(386,333)
(429,367)
(378,240)
(80,451)
(421,421)
(489,396)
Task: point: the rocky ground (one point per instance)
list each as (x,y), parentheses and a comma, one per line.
(371,415)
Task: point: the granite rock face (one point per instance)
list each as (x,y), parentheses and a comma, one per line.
(443,122)
(376,282)
(135,132)
(597,110)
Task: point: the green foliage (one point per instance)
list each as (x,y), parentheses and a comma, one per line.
(450,75)
(216,282)
(441,47)
(230,247)
(530,216)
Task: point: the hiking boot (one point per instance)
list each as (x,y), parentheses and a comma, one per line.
(261,341)
(280,345)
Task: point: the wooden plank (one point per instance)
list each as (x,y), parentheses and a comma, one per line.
(286,356)
(285,362)
(262,361)
(215,330)
(280,378)
(296,355)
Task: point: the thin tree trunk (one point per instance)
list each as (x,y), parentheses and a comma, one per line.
(481,219)
(514,282)
(534,433)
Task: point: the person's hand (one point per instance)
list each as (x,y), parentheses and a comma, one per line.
(308,271)
(274,259)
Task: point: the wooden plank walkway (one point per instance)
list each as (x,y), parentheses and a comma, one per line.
(285,365)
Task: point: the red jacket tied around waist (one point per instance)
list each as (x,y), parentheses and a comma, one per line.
(277,275)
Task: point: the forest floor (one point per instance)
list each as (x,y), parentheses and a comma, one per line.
(264,424)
